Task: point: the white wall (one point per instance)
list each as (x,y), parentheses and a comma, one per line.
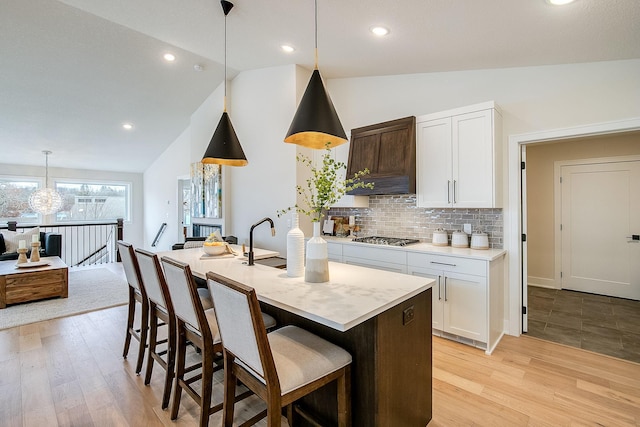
(261,104)
(264,103)
(161,193)
(133,231)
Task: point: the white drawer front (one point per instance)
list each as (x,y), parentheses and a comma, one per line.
(375,254)
(447,263)
(334,249)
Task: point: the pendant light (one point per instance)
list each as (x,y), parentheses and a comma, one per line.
(45,201)
(224,147)
(316,123)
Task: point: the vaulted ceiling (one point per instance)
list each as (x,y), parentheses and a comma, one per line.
(72,71)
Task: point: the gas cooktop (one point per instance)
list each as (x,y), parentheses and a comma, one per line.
(390,241)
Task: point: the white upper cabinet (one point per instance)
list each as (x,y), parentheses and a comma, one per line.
(459,158)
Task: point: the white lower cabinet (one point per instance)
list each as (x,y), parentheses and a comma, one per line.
(380,258)
(468,294)
(334,251)
(459,306)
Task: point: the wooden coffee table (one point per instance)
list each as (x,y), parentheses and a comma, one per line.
(33,283)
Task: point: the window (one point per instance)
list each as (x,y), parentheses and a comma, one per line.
(14,199)
(93,201)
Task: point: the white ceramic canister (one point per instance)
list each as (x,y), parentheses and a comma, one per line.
(440,238)
(459,239)
(479,240)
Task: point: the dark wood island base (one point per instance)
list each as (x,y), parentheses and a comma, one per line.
(391,370)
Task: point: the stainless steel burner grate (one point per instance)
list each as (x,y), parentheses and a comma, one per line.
(390,241)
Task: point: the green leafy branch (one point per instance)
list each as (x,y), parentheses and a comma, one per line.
(324,188)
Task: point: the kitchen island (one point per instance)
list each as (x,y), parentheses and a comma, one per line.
(382,318)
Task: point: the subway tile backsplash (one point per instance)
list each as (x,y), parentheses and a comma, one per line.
(398,216)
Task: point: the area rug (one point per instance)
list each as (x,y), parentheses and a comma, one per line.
(89,290)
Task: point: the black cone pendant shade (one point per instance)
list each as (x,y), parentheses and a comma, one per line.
(224,147)
(316,122)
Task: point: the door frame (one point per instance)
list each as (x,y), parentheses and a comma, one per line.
(557,203)
(513,216)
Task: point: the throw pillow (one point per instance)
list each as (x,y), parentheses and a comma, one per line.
(12,238)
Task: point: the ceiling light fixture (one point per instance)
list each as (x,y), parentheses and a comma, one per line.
(45,201)
(316,123)
(127,126)
(169,57)
(379,31)
(559,2)
(224,147)
(287,48)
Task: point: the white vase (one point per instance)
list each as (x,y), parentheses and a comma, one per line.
(295,249)
(317,267)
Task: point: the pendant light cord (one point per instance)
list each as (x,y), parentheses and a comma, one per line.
(225,64)
(316,34)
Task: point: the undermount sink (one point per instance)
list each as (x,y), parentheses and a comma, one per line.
(276,262)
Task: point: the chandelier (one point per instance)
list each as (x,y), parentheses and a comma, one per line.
(45,201)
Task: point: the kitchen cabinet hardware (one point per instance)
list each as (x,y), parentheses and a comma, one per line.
(445,288)
(442,263)
(634,237)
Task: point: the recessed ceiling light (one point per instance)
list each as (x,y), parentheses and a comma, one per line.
(287,48)
(559,2)
(379,31)
(127,126)
(169,57)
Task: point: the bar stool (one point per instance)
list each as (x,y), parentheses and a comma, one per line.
(161,313)
(137,293)
(198,327)
(280,366)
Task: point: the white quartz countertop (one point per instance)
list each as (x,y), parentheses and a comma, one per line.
(482,254)
(353,294)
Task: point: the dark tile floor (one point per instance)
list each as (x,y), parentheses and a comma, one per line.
(598,323)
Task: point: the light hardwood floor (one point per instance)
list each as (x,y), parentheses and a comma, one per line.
(70,372)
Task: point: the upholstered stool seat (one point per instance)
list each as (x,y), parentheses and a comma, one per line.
(302,357)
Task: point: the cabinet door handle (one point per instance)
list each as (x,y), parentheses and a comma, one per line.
(454,192)
(439,297)
(442,263)
(448,191)
(445,288)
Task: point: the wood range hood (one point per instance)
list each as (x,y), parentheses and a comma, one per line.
(388,150)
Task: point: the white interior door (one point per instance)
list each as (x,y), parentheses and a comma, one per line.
(600,216)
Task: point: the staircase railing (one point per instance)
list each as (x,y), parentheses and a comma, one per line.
(84,244)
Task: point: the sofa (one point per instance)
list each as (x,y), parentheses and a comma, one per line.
(50,245)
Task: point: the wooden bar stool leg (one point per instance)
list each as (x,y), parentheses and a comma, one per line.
(205,392)
(130,316)
(171,364)
(229,392)
(153,335)
(144,328)
(180,364)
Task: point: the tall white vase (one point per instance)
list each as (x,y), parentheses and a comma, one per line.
(317,268)
(295,249)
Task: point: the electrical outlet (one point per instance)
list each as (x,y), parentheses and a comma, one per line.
(407,315)
(467,228)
